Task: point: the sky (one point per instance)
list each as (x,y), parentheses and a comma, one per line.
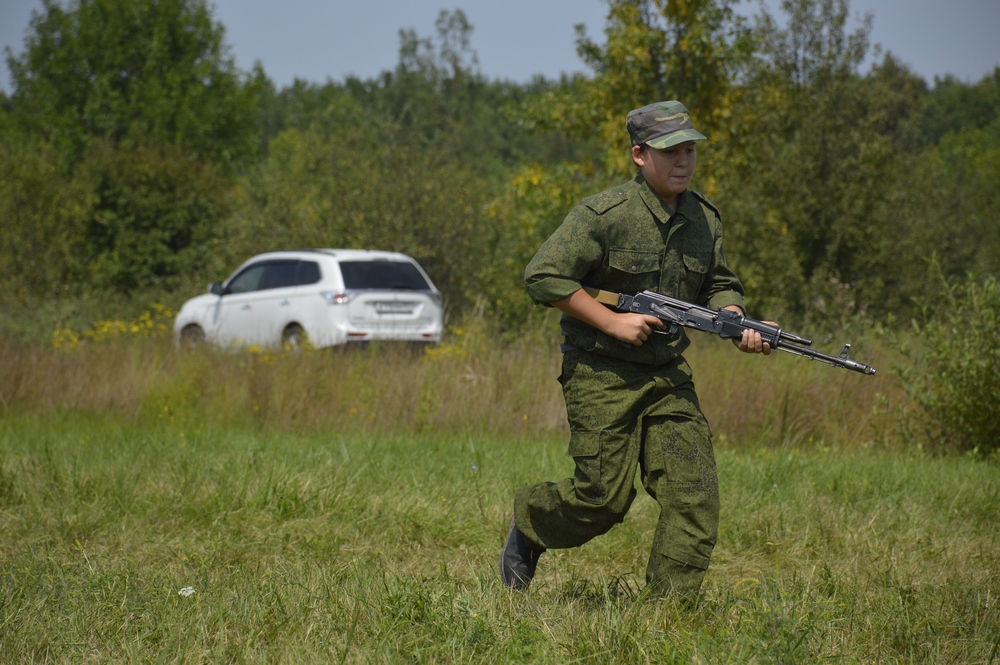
(316,40)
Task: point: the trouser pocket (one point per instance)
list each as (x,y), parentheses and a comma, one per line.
(585,449)
(678,449)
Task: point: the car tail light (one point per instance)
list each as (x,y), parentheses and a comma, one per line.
(334,298)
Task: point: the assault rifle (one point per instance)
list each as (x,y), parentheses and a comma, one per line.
(724,323)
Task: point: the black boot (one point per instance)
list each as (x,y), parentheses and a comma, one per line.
(517,560)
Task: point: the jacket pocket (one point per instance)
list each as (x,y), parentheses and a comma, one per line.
(633,261)
(634,270)
(698,262)
(695,269)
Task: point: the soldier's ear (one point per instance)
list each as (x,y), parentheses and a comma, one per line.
(639,155)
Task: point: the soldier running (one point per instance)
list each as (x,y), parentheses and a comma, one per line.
(630,399)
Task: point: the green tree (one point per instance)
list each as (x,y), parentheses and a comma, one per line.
(445,61)
(653,50)
(437,91)
(898,99)
(41,204)
(945,203)
(952,105)
(128,71)
(139,107)
(154,217)
(807,162)
(956,380)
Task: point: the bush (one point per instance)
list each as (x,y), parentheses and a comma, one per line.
(958,382)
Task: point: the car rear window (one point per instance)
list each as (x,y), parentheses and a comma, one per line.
(382,275)
(308,272)
(280,274)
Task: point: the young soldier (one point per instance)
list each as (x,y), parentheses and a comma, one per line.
(629,395)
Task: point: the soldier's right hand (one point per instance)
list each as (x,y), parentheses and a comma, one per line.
(633,329)
(626,327)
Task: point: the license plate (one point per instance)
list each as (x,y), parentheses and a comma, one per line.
(394,307)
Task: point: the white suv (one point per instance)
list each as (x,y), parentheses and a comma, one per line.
(328,296)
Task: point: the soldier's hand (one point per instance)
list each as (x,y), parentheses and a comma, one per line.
(633,329)
(752,343)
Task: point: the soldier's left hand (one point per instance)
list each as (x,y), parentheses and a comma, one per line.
(752,343)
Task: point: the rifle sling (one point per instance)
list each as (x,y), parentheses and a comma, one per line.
(603,297)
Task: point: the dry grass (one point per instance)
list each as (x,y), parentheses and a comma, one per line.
(787,401)
(379,389)
(466,385)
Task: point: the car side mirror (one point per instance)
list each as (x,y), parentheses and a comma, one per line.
(215,289)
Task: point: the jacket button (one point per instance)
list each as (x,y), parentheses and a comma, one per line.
(634,268)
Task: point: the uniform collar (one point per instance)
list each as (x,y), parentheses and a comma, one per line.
(686,204)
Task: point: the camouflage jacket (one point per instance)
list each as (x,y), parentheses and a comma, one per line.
(626,239)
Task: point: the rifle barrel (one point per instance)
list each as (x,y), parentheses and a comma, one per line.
(836,361)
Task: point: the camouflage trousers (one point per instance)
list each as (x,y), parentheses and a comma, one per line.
(622,416)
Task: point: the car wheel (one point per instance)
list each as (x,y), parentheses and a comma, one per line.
(192,336)
(294,338)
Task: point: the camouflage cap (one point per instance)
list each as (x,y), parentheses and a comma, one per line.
(661,125)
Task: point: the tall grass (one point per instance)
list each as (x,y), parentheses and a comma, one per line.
(470,384)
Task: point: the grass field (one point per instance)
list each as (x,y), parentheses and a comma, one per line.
(166,507)
(363,549)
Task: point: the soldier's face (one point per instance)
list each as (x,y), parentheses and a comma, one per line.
(667,171)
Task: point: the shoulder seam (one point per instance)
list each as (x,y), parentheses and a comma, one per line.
(706,203)
(606,200)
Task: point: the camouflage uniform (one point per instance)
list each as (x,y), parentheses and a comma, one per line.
(633,405)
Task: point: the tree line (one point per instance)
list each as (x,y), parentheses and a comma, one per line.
(138,163)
